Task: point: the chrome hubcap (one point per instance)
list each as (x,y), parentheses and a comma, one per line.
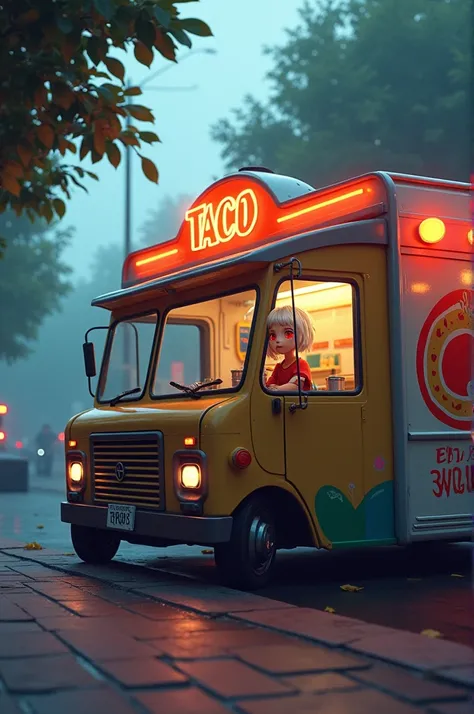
(261,545)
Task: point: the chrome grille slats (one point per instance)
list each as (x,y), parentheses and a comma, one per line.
(141,455)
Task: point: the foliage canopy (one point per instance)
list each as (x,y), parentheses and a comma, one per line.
(362,85)
(62,88)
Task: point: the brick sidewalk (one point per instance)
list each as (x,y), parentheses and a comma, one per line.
(79,639)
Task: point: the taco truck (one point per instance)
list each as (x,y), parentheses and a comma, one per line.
(185,444)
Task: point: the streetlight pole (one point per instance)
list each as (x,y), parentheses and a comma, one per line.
(128,197)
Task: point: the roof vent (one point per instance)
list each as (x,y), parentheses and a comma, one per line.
(257,168)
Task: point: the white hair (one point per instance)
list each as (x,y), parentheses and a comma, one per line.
(304,331)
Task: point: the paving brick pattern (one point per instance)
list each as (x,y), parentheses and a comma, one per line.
(81,640)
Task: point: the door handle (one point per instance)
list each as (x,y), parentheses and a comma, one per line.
(276,406)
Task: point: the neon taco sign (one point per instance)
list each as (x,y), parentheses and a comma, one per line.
(238,214)
(211,225)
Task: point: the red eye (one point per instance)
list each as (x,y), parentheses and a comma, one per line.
(272,338)
(289,334)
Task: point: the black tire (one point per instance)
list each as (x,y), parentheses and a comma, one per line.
(247,560)
(94,546)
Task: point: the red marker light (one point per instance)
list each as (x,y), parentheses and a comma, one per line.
(241,458)
(18,444)
(61,436)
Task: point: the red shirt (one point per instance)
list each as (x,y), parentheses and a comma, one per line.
(281,376)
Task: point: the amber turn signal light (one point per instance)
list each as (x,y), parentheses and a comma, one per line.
(432,230)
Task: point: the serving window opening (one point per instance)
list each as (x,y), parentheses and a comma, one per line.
(205,342)
(333,359)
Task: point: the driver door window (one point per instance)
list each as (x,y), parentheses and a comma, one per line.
(333,358)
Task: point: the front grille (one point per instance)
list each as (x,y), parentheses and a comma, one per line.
(141,457)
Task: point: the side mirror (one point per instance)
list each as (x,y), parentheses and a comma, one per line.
(89,359)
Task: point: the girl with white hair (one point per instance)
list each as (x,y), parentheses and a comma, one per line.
(282,330)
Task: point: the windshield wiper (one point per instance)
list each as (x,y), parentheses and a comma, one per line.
(194,388)
(120,396)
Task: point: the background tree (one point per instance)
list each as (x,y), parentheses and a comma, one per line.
(33,280)
(49,383)
(361,85)
(163,223)
(60,82)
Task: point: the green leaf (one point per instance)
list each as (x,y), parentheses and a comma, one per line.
(59,207)
(196,27)
(143,54)
(115,67)
(150,170)
(181,37)
(149,137)
(163,17)
(113,154)
(132,92)
(145,32)
(105,8)
(64,23)
(46,135)
(140,113)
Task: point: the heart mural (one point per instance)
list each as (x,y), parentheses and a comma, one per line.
(371,520)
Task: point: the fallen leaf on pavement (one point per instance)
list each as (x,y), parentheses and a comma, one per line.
(329,609)
(431,633)
(456,575)
(39,526)
(207,551)
(351,588)
(33,546)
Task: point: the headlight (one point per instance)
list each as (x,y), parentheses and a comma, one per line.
(76,470)
(190,476)
(190,480)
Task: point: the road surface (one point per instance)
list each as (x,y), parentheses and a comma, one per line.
(429,589)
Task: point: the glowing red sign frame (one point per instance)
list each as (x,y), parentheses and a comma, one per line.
(238,214)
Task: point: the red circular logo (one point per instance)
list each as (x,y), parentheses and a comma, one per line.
(444,359)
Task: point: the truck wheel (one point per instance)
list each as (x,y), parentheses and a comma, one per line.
(93,545)
(247,560)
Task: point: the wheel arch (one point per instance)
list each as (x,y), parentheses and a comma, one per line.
(293,523)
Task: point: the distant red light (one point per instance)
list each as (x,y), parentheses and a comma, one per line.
(61,436)
(18,444)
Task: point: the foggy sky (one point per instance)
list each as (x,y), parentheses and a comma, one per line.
(187,159)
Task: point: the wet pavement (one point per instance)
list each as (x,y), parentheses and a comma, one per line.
(409,589)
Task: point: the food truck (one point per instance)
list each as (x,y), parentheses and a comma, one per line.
(187,444)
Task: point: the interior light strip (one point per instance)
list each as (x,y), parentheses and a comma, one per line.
(157,256)
(322,204)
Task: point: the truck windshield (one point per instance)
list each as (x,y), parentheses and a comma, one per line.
(127,358)
(205,341)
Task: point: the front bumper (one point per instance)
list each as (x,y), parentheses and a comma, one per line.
(150,524)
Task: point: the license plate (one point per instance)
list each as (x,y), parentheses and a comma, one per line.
(121,517)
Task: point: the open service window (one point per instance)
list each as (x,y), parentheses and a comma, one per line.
(205,341)
(332,353)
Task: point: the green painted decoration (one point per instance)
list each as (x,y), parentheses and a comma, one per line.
(373,519)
